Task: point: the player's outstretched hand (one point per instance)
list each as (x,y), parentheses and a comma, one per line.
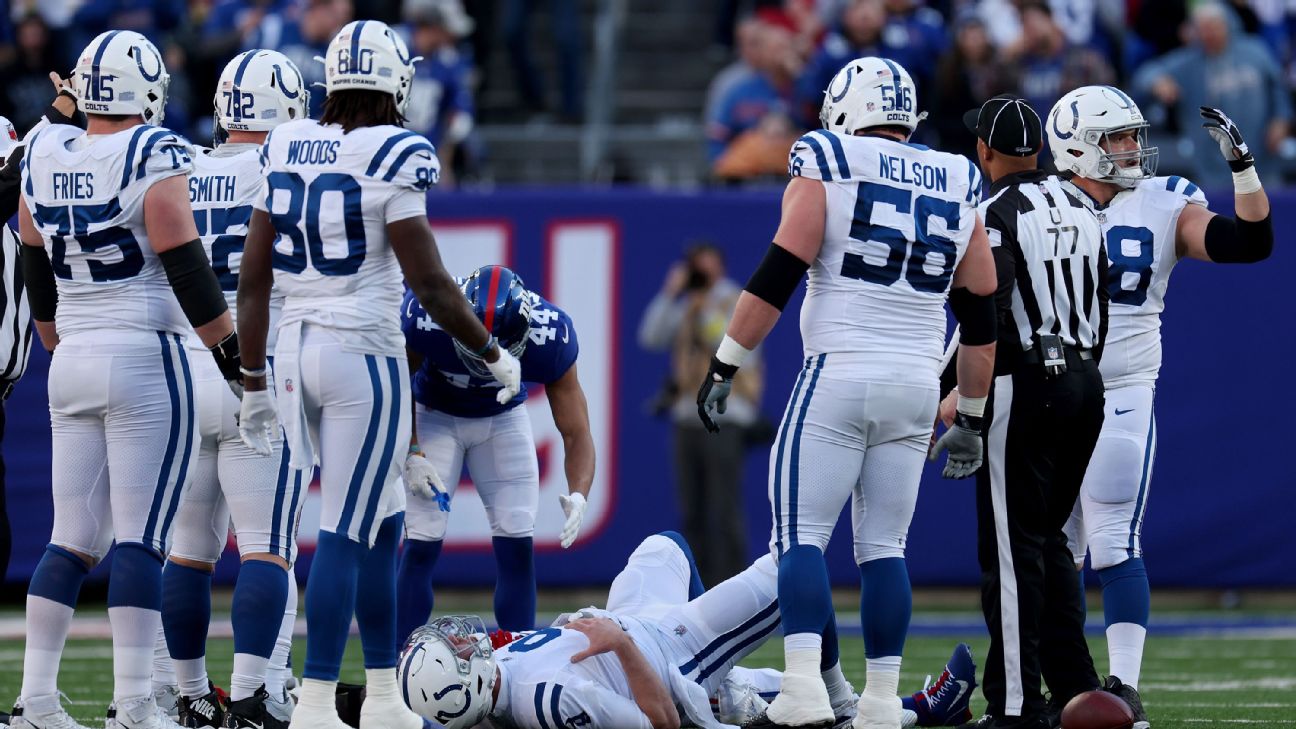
(257,421)
(1228,137)
(966,450)
(604,636)
(422,479)
(714,392)
(573,505)
(508,371)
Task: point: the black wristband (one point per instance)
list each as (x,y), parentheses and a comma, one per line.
(968,422)
(727,371)
(226,353)
(1242,165)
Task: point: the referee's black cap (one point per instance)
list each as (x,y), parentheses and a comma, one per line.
(1008,125)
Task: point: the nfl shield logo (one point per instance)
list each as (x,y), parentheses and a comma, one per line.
(1053,353)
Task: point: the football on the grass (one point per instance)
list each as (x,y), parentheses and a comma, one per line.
(1097,710)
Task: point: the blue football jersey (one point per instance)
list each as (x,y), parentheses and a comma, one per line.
(444,384)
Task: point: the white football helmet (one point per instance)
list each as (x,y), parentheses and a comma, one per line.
(121,72)
(369,55)
(447,671)
(258,91)
(870,92)
(1078,128)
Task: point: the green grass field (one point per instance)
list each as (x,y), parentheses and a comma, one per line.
(1187,681)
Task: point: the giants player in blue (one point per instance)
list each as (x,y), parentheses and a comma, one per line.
(458,418)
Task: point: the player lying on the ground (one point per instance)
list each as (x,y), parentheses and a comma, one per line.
(458,420)
(662,653)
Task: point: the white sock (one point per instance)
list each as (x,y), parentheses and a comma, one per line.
(1125,651)
(134,631)
(882,677)
(48,623)
(802,654)
(381,683)
(277,672)
(163,668)
(191,677)
(318,695)
(249,675)
(839,689)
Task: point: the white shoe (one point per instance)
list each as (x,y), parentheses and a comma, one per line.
(382,713)
(42,712)
(878,713)
(310,717)
(167,698)
(738,703)
(802,701)
(141,713)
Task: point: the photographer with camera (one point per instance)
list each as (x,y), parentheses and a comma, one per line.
(687,318)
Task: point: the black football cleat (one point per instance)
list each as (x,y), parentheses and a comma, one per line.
(1129,695)
(204,711)
(762,721)
(250,713)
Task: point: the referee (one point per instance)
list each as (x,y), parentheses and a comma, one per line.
(1045,411)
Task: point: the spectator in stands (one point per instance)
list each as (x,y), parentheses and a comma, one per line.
(152,18)
(25,91)
(756,121)
(747,36)
(302,34)
(1155,29)
(1045,64)
(858,33)
(441,100)
(688,318)
(917,35)
(1223,69)
(967,75)
(565,24)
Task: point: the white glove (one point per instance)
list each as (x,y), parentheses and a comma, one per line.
(508,371)
(422,479)
(573,506)
(257,421)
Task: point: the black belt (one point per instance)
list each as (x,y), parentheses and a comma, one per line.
(1074,356)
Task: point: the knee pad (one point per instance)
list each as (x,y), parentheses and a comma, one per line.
(513,523)
(1116,471)
(426,525)
(871,550)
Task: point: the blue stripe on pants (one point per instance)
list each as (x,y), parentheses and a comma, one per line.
(190,410)
(794,468)
(776,502)
(389,448)
(366,451)
(1143,482)
(720,640)
(173,443)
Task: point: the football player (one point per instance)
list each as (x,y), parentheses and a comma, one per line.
(885,228)
(113,251)
(257,91)
(668,644)
(1099,136)
(458,419)
(344,218)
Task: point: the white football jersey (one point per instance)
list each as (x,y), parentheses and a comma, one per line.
(86,197)
(898,222)
(330,196)
(1139,231)
(223,187)
(543,689)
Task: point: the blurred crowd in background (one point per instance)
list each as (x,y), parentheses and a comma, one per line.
(1170,55)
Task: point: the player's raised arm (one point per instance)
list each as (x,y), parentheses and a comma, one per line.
(1247,237)
(416,250)
(796,244)
(571,416)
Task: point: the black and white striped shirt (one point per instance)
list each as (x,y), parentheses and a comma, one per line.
(15,313)
(1050,260)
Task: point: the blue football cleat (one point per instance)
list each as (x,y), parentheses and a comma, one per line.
(946,702)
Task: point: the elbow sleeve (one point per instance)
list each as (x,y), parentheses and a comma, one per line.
(777,277)
(976,315)
(38,277)
(194,282)
(1234,240)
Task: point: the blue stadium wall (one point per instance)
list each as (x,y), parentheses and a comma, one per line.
(1221,497)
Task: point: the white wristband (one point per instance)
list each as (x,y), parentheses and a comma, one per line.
(974,406)
(1246,181)
(731,352)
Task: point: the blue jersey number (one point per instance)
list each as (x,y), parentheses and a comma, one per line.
(918,253)
(1139,264)
(304,204)
(73,222)
(226,244)
(533,641)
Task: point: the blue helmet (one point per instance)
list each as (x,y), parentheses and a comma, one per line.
(500,299)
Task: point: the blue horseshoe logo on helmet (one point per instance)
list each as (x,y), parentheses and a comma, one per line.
(278,72)
(137,52)
(838,97)
(396,42)
(443,716)
(1075,120)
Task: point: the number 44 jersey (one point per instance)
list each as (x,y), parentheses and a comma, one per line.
(899,220)
(1139,227)
(86,197)
(330,195)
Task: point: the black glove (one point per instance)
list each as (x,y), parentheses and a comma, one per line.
(963,441)
(714,392)
(226,353)
(1226,134)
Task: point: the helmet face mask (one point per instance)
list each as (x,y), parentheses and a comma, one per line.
(448,670)
(508,314)
(1088,123)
